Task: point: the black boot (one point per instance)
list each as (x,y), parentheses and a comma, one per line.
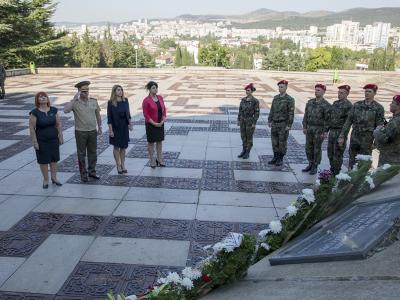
(247,153)
(313,170)
(308,168)
(243,152)
(279,161)
(274,159)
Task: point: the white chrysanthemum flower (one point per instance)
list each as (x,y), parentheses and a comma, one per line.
(173,277)
(386,166)
(343,177)
(207,247)
(276,226)
(292,210)
(263,233)
(363,157)
(162,280)
(265,246)
(187,283)
(218,247)
(191,273)
(317,182)
(370,182)
(308,195)
(131,297)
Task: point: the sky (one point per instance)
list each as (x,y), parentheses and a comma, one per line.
(127,10)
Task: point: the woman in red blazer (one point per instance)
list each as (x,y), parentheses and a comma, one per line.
(154,115)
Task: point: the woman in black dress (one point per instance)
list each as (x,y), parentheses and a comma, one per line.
(154,113)
(46,133)
(119,124)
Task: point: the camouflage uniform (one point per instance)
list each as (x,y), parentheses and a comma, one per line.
(364,118)
(316,122)
(2,80)
(249,111)
(340,110)
(280,117)
(387,140)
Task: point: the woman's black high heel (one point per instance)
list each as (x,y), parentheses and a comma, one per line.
(159,164)
(57,183)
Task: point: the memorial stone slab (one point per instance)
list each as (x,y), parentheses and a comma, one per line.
(348,235)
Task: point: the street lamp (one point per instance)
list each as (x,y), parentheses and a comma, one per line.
(136,47)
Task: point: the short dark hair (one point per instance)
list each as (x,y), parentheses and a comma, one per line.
(150,84)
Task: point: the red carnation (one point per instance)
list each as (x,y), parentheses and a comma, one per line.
(205,278)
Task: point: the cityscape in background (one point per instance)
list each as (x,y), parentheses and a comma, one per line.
(187,34)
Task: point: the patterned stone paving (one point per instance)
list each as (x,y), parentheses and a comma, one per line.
(203,193)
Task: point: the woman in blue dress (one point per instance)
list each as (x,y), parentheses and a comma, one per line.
(119,124)
(46,134)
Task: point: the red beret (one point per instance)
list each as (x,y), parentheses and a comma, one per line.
(397,99)
(344,87)
(320,85)
(285,82)
(249,86)
(371,86)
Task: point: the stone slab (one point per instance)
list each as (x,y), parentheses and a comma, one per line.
(349,234)
(138,251)
(46,270)
(8,265)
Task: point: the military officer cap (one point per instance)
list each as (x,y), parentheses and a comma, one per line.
(344,87)
(250,86)
(320,85)
(371,86)
(82,83)
(285,82)
(397,99)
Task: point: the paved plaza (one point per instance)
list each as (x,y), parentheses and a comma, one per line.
(81,240)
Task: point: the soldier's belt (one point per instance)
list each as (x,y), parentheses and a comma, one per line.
(283,121)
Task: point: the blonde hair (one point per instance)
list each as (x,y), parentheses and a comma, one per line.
(114,97)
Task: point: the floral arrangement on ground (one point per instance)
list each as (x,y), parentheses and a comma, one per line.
(229,260)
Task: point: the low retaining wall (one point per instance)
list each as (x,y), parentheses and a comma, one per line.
(18,72)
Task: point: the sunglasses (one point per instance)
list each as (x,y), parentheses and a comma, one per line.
(84,91)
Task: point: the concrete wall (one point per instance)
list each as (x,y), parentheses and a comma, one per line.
(17,72)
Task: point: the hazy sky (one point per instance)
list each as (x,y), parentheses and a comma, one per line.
(126,10)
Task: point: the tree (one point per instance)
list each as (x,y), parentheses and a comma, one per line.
(167,43)
(318,59)
(23,24)
(107,57)
(275,60)
(295,62)
(178,57)
(214,55)
(187,58)
(89,51)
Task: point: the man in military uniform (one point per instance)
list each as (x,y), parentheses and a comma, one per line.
(280,121)
(365,116)
(249,111)
(387,137)
(340,110)
(87,115)
(3,76)
(315,127)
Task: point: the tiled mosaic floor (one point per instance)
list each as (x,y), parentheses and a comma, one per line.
(79,241)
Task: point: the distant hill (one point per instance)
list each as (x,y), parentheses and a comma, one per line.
(266,18)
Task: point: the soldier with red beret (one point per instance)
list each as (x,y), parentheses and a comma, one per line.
(340,110)
(249,112)
(315,127)
(364,117)
(280,120)
(387,137)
